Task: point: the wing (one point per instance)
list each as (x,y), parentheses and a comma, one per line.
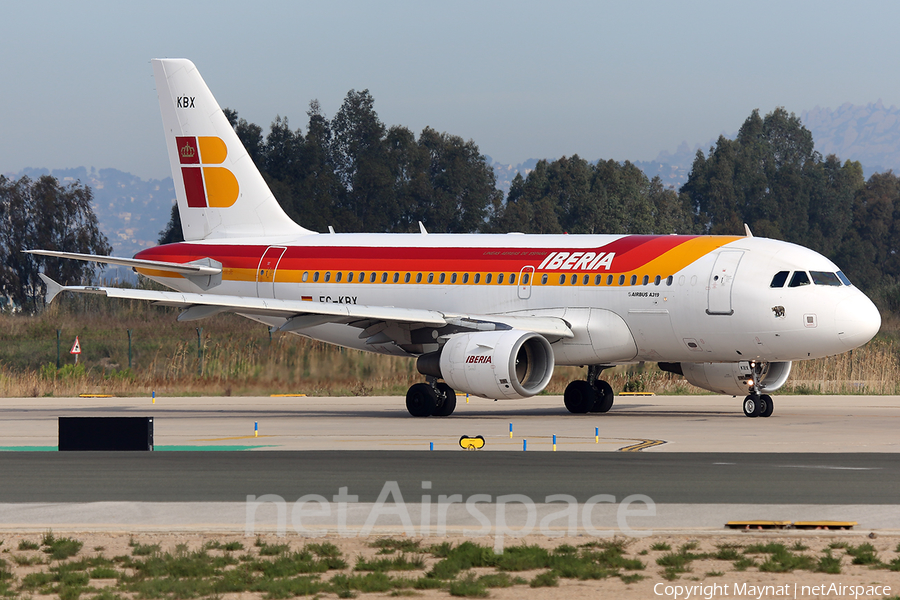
(409,328)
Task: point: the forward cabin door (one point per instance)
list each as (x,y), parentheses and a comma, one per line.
(721,280)
(265,273)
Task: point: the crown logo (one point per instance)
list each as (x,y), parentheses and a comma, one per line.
(187,151)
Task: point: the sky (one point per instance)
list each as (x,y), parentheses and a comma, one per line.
(604,80)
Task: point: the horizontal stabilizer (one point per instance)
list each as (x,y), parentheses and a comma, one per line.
(182,268)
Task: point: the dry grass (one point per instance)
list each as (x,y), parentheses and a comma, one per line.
(239,357)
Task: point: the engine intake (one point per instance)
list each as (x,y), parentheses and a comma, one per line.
(493,364)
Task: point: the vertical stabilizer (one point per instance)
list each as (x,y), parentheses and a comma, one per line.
(219,190)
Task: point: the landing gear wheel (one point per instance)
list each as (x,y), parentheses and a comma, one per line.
(605,397)
(752,406)
(447,404)
(421,400)
(579,397)
(768,405)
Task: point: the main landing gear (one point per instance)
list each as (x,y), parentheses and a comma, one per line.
(756,404)
(432,399)
(592,395)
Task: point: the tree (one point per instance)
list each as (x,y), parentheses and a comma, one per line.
(43,214)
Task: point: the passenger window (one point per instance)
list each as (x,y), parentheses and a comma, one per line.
(349,277)
(327,276)
(621,280)
(500,278)
(598,279)
(825,278)
(646,279)
(609,279)
(305,276)
(779,279)
(383,278)
(362,278)
(406,278)
(418,278)
(525,279)
(843,278)
(465,278)
(512,279)
(562,280)
(431,278)
(669,280)
(396,277)
(487,278)
(543,279)
(477,277)
(799,278)
(634,280)
(453,278)
(442,277)
(337,277)
(315,276)
(574,279)
(657,280)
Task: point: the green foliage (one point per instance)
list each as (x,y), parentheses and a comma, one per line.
(828,564)
(863,554)
(43,214)
(545,579)
(28,545)
(60,548)
(388,545)
(661,547)
(468,587)
(398,563)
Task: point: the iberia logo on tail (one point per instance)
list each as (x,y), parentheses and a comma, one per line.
(205,185)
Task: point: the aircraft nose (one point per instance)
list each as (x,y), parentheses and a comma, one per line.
(857,320)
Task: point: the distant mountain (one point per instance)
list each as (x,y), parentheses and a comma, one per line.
(131,211)
(869,134)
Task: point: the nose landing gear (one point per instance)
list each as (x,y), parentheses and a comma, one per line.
(756,404)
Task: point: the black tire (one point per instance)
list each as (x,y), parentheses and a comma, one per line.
(604,397)
(447,404)
(768,407)
(421,400)
(579,397)
(752,406)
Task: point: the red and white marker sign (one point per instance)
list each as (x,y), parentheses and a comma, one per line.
(76,347)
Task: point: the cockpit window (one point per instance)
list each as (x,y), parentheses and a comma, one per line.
(843,278)
(799,278)
(825,278)
(779,279)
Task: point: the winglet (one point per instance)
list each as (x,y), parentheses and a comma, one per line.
(747,231)
(53,288)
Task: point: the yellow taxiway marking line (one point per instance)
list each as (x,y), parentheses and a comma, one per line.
(240,437)
(643,445)
(287,395)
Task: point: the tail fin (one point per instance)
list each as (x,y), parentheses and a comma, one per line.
(219,190)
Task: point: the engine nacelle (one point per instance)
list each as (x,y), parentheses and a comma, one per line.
(731,378)
(493,364)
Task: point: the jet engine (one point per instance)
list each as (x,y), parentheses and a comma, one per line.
(731,378)
(509,364)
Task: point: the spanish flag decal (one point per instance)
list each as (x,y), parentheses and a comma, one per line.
(206,185)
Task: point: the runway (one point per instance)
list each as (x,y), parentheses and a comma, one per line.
(686,478)
(828,424)
(695,460)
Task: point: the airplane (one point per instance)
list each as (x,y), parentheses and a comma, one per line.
(485,314)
